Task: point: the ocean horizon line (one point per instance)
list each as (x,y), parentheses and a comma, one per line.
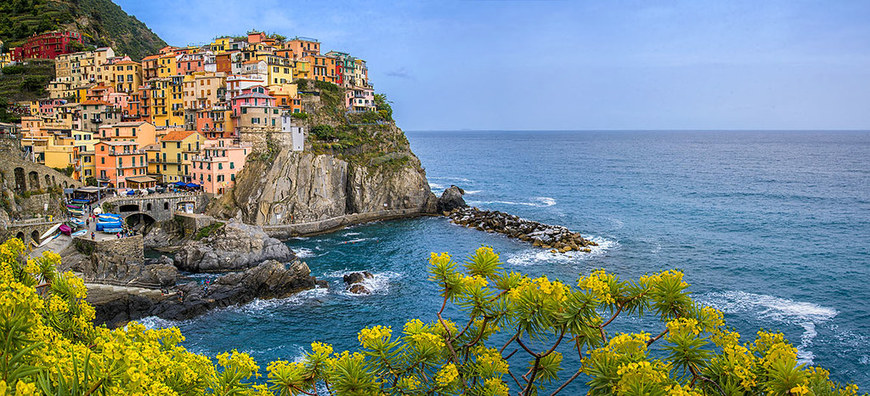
(637,130)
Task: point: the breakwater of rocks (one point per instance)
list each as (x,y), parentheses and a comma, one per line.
(556,238)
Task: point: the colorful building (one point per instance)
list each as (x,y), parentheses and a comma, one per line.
(116,162)
(177,149)
(47,46)
(216,168)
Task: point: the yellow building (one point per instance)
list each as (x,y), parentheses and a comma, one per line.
(177,149)
(167,101)
(280,70)
(221,45)
(302,69)
(87,166)
(126,76)
(5,59)
(167,65)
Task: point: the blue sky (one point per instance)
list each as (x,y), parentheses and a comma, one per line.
(576,65)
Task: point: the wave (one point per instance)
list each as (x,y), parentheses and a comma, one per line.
(538,202)
(804,314)
(350,233)
(304,252)
(461,179)
(472,192)
(436,186)
(379,283)
(538,255)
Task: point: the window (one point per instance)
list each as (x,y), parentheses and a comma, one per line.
(103,160)
(233,177)
(220,165)
(178,145)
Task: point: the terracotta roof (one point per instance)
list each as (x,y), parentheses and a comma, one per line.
(96,102)
(150,57)
(126,62)
(177,136)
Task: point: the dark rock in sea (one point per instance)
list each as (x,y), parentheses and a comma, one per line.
(233,247)
(451,199)
(358,289)
(557,238)
(271,279)
(357,277)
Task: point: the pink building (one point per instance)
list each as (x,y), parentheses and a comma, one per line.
(239,103)
(219,163)
(237,83)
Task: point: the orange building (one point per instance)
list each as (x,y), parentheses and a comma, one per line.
(121,165)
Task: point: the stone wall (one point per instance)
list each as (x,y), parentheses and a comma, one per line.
(129,247)
(26,230)
(191,222)
(336,223)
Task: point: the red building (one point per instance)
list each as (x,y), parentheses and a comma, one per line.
(47,46)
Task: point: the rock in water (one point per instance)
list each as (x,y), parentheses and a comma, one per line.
(271,279)
(233,247)
(551,237)
(354,280)
(357,277)
(359,289)
(451,199)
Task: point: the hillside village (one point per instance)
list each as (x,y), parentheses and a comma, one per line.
(185,116)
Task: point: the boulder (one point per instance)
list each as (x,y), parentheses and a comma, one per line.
(358,289)
(271,279)
(357,277)
(451,199)
(233,247)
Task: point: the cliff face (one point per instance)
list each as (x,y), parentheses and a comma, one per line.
(305,187)
(352,164)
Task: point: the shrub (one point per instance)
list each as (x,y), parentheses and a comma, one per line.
(49,345)
(323,132)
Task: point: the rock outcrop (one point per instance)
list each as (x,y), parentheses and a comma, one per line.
(353,282)
(547,236)
(230,247)
(117,261)
(116,306)
(304,187)
(451,199)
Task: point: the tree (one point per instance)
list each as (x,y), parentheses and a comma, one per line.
(50,345)
(383,106)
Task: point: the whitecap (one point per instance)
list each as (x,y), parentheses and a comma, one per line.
(154,322)
(804,314)
(537,255)
(461,179)
(350,233)
(304,253)
(539,202)
(379,283)
(436,186)
(472,192)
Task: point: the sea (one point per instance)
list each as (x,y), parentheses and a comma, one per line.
(771,227)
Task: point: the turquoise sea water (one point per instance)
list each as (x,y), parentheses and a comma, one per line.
(771,227)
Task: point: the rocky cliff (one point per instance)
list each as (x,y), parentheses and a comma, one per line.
(350,165)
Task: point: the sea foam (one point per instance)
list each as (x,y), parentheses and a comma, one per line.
(537,255)
(804,314)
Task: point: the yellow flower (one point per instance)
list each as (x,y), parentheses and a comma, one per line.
(373,337)
(447,375)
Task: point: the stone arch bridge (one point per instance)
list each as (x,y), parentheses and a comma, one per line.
(27,231)
(20,175)
(147,209)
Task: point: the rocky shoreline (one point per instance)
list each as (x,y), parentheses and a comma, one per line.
(115,306)
(557,238)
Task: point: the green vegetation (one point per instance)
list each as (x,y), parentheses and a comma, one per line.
(23,83)
(299,116)
(101,23)
(49,345)
(383,107)
(208,230)
(68,171)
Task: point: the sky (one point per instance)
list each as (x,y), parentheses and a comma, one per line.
(576,65)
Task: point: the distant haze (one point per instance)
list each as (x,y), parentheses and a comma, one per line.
(576,65)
